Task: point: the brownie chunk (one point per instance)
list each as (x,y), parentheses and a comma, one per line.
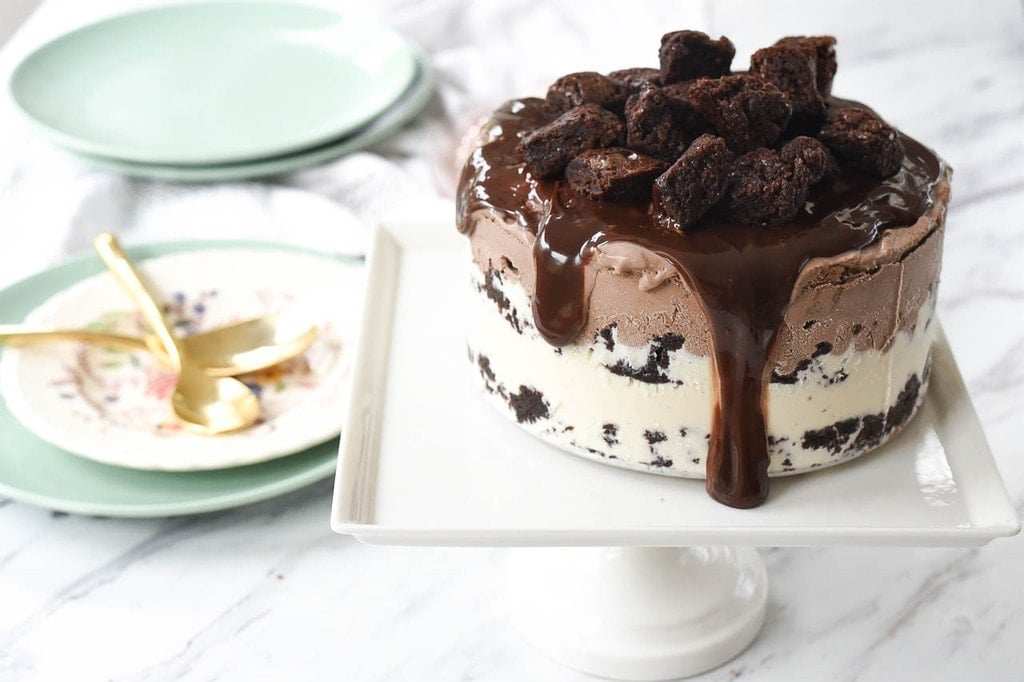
(813,155)
(548,149)
(686,55)
(687,116)
(823,50)
(651,124)
(614,174)
(747,111)
(634,79)
(585,87)
(694,183)
(766,189)
(793,71)
(862,140)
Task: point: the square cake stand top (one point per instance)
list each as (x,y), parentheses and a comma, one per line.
(426,461)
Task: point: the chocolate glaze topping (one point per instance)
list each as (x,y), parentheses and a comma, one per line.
(743,275)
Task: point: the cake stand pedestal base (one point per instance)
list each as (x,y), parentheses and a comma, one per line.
(631,613)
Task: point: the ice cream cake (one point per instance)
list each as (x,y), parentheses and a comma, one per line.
(701,272)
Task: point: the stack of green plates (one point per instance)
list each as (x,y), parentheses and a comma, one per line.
(221,91)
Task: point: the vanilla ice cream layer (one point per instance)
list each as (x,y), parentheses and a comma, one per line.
(648,407)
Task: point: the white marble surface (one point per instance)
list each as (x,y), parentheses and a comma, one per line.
(267,592)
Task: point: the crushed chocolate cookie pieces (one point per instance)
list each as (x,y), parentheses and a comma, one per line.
(793,71)
(860,139)
(529,405)
(614,174)
(747,111)
(585,87)
(549,149)
(685,55)
(695,183)
(654,369)
(823,50)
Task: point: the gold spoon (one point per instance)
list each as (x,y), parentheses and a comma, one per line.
(223,352)
(210,404)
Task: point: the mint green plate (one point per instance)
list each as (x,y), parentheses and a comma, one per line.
(35,472)
(389,122)
(208,83)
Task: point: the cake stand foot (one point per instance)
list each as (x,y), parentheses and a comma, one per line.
(639,613)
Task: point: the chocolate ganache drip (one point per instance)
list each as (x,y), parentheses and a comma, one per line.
(743,274)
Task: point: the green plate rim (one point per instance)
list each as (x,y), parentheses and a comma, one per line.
(313,474)
(317,470)
(418,96)
(78,145)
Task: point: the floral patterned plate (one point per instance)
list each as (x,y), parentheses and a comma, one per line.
(112,406)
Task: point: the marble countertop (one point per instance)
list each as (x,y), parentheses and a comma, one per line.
(268,592)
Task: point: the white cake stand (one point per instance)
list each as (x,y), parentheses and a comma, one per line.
(628,575)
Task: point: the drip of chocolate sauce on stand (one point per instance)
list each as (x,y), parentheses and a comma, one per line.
(742,275)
